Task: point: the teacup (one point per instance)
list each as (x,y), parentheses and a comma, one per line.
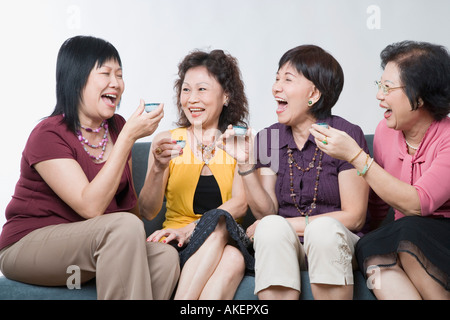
(181,143)
(151,106)
(239,130)
(323,124)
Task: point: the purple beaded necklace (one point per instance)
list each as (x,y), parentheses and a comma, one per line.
(102,144)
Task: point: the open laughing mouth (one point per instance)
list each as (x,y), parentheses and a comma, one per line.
(110,99)
(387,113)
(282,105)
(196,112)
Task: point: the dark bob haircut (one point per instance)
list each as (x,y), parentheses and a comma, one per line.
(76,59)
(425,72)
(224,68)
(323,70)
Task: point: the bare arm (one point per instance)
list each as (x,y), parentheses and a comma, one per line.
(259,185)
(237,205)
(354,193)
(90,199)
(152,193)
(260,191)
(134,210)
(398,194)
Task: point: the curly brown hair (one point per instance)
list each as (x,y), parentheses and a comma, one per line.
(225,70)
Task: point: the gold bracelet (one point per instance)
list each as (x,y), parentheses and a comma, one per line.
(353,159)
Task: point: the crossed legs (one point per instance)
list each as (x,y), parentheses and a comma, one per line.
(407,280)
(214,271)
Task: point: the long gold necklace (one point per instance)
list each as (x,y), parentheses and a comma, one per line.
(292,163)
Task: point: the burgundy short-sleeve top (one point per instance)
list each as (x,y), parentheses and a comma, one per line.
(34,204)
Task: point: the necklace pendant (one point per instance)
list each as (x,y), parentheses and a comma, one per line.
(311,164)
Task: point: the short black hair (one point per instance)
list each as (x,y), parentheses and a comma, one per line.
(322,69)
(76,59)
(425,72)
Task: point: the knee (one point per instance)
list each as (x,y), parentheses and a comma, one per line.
(272,229)
(220,233)
(169,257)
(168,254)
(234,261)
(322,232)
(125,226)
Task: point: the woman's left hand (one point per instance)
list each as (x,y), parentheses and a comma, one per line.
(250,232)
(336,143)
(239,147)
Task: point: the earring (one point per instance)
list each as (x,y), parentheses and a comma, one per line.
(226,103)
(310,103)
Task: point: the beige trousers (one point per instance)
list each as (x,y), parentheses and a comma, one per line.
(279,255)
(111,247)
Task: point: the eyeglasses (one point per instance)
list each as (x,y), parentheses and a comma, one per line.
(386,90)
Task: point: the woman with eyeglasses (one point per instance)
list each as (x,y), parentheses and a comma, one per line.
(410,172)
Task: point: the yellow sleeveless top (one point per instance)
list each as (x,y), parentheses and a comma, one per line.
(184,173)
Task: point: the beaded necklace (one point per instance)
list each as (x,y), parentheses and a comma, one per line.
(412,147)
(292,162)
(102,144)
(207,150)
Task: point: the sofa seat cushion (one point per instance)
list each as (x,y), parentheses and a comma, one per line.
(14,290)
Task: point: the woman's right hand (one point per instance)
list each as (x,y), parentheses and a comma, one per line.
(181,235)
(163,151)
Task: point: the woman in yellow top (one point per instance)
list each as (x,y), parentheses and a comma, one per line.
(200,181)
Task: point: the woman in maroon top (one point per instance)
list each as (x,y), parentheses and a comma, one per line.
(299,193)
(74,203)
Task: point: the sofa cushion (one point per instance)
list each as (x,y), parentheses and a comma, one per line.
(14,290)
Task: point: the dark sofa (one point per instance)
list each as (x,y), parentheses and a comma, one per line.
(13,290)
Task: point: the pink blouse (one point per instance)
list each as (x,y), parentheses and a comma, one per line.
(428,170)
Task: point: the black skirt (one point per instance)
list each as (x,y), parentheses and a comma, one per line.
(206,225)
(427,239)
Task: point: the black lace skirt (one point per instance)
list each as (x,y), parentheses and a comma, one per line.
(427,239)
(206,226)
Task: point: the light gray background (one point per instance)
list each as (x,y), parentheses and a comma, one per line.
(152,36)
